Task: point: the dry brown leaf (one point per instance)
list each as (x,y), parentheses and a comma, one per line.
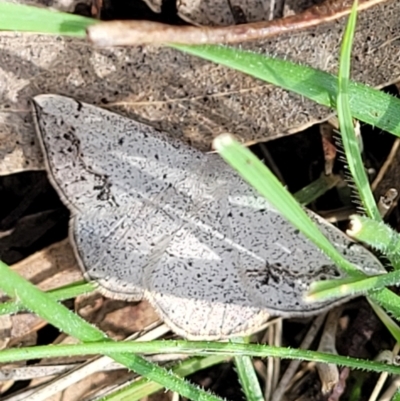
(52,267)
(182,95)
(119,319)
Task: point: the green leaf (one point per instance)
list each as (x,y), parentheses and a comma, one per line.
(367,104)
(349,140)
(59,294)
(376,234)
(203,348)
(23,18)
(247,375)
(351,286)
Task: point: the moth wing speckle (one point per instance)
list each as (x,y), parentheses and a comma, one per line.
(351,250)
(69,172)
(97,158)
(274,263)
(293,263)
(114,246)
(196,291)
(197,319)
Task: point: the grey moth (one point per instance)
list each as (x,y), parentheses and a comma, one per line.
(154,218)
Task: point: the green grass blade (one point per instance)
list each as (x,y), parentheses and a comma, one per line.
(376,234)
(59,294)
(142,388)
(342,288)
(201,348)
(44,306)
(248,378)
(367,104)
(349,140)
(388,300)
(247,375)
(315,189)
(390,324)
(356,167)
(19,17)
(261,178)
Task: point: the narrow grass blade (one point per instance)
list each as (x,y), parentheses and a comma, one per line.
(325,290)
(390,324)
(142,388)
(23,18)
(367,104)
(341,288)
(60,294)
(47,308)
(388,300)
(247,375)
(317,188)
(349,140)
(203,348)
(376,234)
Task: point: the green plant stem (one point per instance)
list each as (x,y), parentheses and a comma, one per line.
(349,140)
(59,294)
(202,348)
